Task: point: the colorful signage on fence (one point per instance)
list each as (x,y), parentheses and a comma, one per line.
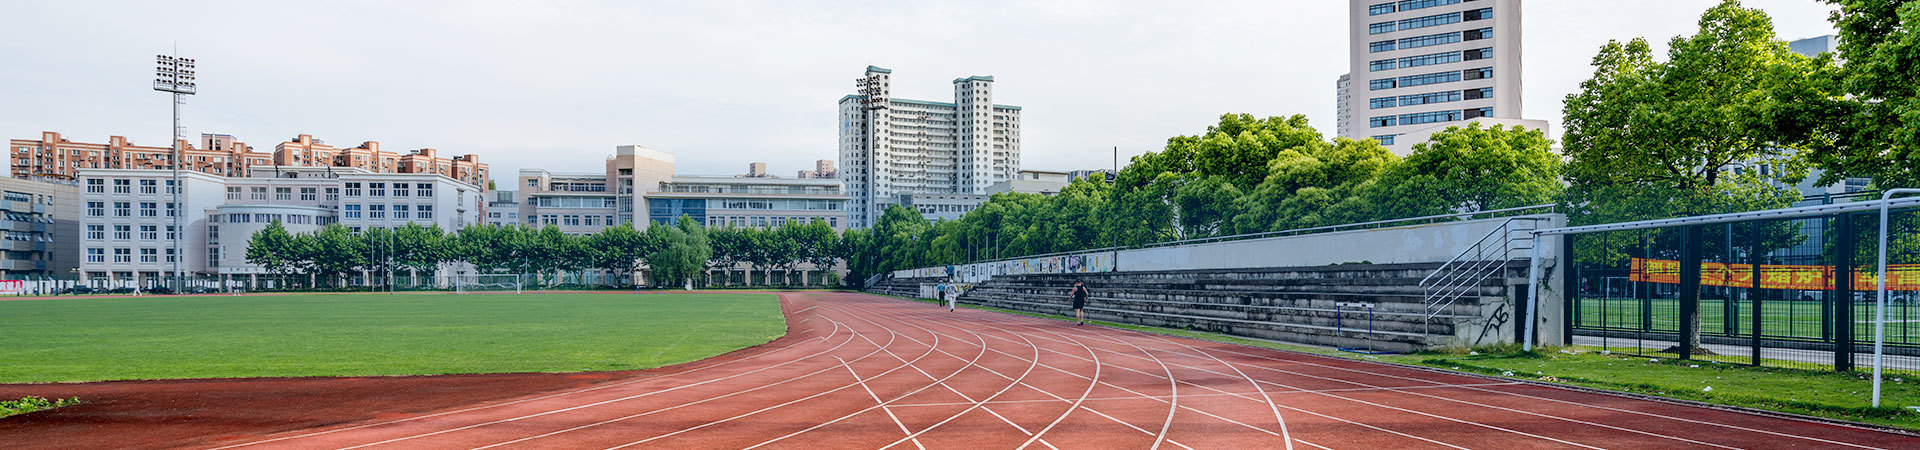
(12,286)
(1905,277)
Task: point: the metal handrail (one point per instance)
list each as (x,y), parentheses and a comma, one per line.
(1460,275)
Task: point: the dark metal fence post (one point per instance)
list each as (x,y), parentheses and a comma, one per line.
(1842,297)
(1567,293)
(1689,290)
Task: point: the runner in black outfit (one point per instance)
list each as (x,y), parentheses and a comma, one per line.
(1080,301)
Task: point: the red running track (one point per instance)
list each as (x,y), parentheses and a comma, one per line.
(861,371)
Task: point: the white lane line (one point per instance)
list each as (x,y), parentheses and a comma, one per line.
(543,397)
(622,399)
(876,400)
(1400,391)
(682,405)
(940,381)
(930,350)
(1284,435)
(891,337)
(1095,381)
(1290,408)
(982,402)
(1585,405)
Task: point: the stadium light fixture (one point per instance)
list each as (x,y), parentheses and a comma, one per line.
(175,75)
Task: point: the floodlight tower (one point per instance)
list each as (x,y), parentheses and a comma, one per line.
(174,75)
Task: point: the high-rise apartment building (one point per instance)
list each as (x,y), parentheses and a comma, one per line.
(1343,96)
(893,146)
(1816,45)
(1420,66)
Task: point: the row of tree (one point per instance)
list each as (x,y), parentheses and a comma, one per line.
(674,254)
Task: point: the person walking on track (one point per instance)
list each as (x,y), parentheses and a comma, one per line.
(1079,295)
(952,297)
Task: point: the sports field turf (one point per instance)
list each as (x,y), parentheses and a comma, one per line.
(372,334)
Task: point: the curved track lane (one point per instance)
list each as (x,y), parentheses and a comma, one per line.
(861,371)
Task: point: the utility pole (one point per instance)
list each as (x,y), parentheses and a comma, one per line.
(174,74)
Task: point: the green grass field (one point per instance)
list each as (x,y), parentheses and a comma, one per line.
(1781,318)
(90,339)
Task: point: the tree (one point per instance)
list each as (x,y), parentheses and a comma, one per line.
(419,248)
(1651,139)
(615,249)
(684,254)
(1876,131)
(1470,169)
(337,251)
(271,248)
(1313,185)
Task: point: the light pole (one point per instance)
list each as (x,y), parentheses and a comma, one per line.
(175,75)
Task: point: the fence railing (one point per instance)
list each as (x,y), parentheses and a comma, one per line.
(1486,258)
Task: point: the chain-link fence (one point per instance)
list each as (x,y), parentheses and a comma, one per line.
(1794,291)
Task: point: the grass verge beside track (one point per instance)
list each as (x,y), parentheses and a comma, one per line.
(1825,394)
(31,404)
(91,339)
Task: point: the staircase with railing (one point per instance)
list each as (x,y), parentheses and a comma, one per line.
(1466,274)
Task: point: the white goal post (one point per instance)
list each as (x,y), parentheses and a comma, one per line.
(488,282)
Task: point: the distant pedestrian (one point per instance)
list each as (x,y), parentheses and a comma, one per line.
(940,292)
(1079,295)
(952,297)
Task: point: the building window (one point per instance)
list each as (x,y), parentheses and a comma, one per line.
(333,194)
(170,233)
(123,232)
(1382,27)
(283,194)
(400,189)
(400,212)
(1477,14)
(149,209)
(122,255)
(550,219)
(423,211)
(97,232)
(213,256)
(170,209)
(169,251)
(308,194)
(123,186)
(353,211)
(1383,8)
(233,192)
(149,186)
(257,193)
(96,186)
(1475,35)
(1376,85)
(1409,5)
(376,189)
(1382,46)
(376,211)
(1429,117)
(1477,54)
(1430,40)
(96,209)
(1429,98)
(1386,139)
(424,189)
(149,255)
(1426,79)
(123,209)
(1384,64)
(1477,113)
(96,255)
(1382,102)
(572,220)
(149,232)
(1477,74)
(353,189)
(1380,121)
(1476,94)
(1430,21)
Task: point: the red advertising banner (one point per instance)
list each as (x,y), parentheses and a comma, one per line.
(1905,277)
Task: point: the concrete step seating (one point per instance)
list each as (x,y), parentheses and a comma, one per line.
(1311,305)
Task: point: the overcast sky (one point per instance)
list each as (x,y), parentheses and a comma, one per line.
(557,85)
